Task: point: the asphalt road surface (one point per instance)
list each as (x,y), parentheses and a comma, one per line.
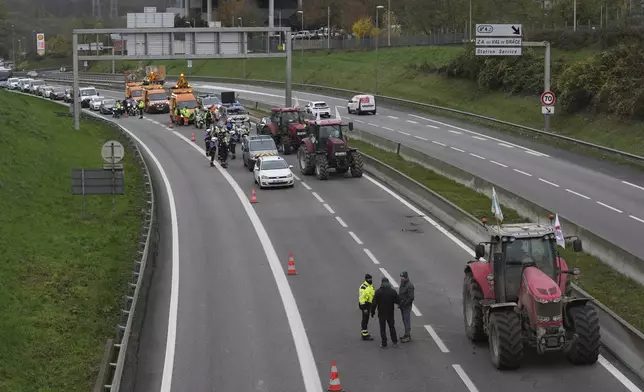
(233,331)
(605,198)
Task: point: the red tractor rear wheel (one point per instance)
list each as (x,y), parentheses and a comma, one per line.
(472,309)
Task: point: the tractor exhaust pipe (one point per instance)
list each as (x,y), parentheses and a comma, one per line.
(499,273)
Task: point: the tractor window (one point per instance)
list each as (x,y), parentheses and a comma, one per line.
(535,250)
(289,117)
(327,131)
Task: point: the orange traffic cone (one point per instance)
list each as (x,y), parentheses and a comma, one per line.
(193,137)
(171,122)
(253,197)
(291,265)
(334,383)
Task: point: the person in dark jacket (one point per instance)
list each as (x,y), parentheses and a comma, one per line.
(406,295)
(384,301)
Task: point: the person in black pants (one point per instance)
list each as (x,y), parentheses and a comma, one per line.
(383,301)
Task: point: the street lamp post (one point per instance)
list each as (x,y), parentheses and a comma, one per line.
(13,46)
(328,28)
(389,22)
(302,31)
(378,8)
(470,25)
(241,24)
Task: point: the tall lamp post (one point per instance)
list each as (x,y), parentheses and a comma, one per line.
(13,47)
(378,8)
(241,24)
(470,25)
(302,31)
(389,22)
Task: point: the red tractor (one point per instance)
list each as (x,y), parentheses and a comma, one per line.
(521,296)
(326,146)
(286,126)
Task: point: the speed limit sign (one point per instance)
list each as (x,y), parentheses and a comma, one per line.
(548,98)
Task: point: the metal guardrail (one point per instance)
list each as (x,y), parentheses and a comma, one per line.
(111,372)
(381,98)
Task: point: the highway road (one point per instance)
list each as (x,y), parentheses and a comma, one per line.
(236,326)
(605,198)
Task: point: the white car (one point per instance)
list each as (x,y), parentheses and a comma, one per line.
(273,171)
(32,74)
(13,83)
(362,104)
(320,107)
(95,102)
(45,91)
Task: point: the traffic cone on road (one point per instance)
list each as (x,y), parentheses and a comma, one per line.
(253,197)
(334,382)
(291,265)
(171,123)
(193,137)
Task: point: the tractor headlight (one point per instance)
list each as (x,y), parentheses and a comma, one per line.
(543,319)
(541,300)
(556,318)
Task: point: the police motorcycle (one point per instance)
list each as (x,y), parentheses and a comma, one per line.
(131,107)
(222,149)
(200,119)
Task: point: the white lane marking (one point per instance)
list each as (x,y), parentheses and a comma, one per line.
(636,218)
(404,133)
(476,133)
(340,221)
(305,185)
(395,118)
(522,172)
(360,121)
(457,149)
(373,125)
(609,207)
(633,185)
(455,132)
(476,156)
(415,310)
(308,367)
(412,122)
(171,338)
(315,194)
(296,177)
(420,137)
(505,145)
(536,154)
(371,256)
(355,238)
(578,194)
(617,374)
(437,339)
(328,208)
(389,129)
(478,138)
(432,126)
(417,211)
(548,182)
(500,164)
(393,282)
(465,378)
(439,143)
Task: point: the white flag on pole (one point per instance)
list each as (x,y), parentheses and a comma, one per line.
(561,241)
(496,207)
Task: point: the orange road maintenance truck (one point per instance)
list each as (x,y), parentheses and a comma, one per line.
(182,102)
(156,99)
(154,74)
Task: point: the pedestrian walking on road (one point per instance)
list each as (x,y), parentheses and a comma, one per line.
(365,299)
(384,301)
(406,295)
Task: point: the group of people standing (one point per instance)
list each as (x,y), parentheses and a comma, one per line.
(383,301)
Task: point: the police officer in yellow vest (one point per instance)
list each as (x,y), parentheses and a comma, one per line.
(141,106)
(365,298)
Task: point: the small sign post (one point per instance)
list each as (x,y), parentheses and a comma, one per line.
(548,103)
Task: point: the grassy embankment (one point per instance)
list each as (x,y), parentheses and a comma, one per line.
(62,276)
(400,76)
(620,293)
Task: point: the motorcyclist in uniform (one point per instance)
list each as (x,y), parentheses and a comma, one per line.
(208,118)
(212,147)
(234,140)
(222,147)
(208,136)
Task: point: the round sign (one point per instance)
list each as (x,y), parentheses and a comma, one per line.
(41,37)
(118,149)
(548,98)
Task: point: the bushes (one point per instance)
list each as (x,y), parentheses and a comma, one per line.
(609,82)
(600,38)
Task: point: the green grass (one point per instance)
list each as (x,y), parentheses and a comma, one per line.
(620,293)
(61,276)
(399,76)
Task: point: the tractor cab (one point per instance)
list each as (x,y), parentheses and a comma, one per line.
(321,131)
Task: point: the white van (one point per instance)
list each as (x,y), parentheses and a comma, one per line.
(362,104)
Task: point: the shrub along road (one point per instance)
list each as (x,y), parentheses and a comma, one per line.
(62,275)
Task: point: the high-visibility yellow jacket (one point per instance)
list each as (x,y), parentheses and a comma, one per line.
(366,293)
